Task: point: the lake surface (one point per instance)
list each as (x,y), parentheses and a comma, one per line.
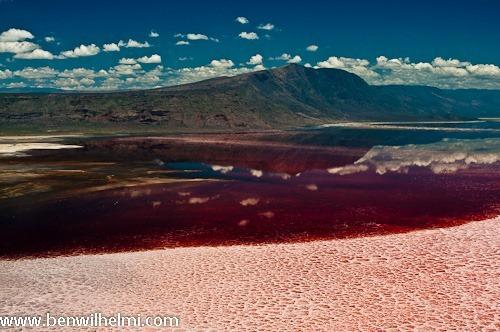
(77,194)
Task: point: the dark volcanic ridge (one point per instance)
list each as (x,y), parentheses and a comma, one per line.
(285,97)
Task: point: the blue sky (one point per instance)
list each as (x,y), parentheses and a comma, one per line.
(76,44)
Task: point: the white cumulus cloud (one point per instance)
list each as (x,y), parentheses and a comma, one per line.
(38,54)
(284,57)
(112,47)
(267,26)
(222,63)
(357,66)
(14,41)
(483,70)
(196,36)
(255,60)
(81,51)
(36,73)
(133,44)
(288,58)
(248,35)
(17,47)
(242,20)
(440,72)
(295,59)
(127,61)
(312,48)
(4,74)
(155,58)
(13,35)
(193,37)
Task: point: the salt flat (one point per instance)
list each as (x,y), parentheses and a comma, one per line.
(437,279)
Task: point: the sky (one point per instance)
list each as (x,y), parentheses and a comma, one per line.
(111,45)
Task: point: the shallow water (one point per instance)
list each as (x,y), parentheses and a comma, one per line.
(134,193)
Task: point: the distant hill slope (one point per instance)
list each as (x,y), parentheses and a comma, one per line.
(277,98)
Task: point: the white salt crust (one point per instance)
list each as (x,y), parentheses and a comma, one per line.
(440,279)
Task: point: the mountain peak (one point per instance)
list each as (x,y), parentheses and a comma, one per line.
(292,67)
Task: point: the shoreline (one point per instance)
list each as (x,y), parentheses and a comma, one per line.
(429,279)
(297,241)
(294,241)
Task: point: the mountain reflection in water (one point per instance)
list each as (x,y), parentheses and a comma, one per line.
(134,193)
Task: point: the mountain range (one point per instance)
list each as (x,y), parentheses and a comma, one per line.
(284,97)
